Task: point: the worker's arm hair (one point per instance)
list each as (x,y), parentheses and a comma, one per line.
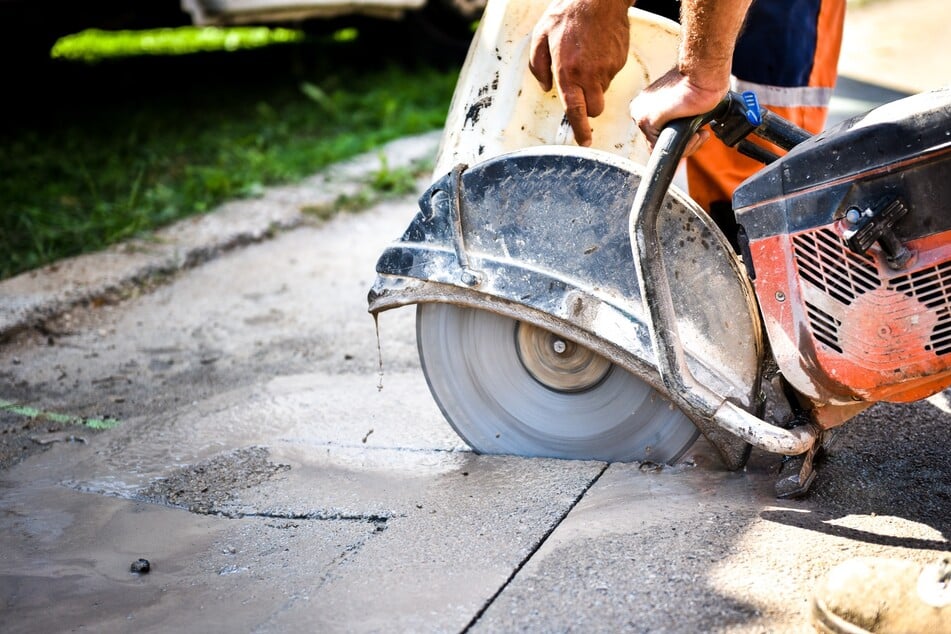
(710,29)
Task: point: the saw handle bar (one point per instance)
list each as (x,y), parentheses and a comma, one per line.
(653,280)
(737,116)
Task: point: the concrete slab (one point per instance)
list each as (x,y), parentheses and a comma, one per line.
(700,549)
(389,521)
(71,567)
(312,535)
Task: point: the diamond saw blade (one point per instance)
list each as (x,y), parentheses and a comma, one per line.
(508,387)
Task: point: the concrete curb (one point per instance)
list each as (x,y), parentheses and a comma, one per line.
(35,296)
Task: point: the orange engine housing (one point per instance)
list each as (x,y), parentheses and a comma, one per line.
(860,330)
(847,239)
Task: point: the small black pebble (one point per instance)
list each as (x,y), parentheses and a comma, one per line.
(140,566)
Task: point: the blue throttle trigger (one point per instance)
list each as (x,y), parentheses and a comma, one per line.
(754,115)
(741,117)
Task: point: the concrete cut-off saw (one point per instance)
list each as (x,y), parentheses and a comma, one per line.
(575,303)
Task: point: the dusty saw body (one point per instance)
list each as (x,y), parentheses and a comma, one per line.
(573,302)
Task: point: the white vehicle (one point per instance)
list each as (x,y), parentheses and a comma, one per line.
(445,21)
(31,28)
(220,12)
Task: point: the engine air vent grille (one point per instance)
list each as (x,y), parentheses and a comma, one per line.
(825,327)
(931,286)
(941,335)
(826,262)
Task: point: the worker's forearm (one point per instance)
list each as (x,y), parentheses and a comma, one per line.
(710,29)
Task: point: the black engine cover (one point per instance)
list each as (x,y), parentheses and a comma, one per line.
(898,150)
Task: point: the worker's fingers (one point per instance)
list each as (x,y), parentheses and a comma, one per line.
(594,102)
(696,141)
(576,110)
(648,126)
(651,132)
(657,106)
(540,61)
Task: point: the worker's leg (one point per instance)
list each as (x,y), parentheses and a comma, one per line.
(787,54)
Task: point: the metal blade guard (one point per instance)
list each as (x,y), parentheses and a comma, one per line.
(541,236)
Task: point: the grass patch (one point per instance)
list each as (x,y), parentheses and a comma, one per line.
(383,184)
(93,45)
(127,158)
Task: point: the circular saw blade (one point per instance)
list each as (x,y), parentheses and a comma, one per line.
(487,382)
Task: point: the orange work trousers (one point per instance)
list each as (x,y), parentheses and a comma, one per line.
(788,54)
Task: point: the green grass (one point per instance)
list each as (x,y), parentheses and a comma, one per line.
(381,184)
(114,170)
(93,45)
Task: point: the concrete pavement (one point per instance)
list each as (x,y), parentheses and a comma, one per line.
(277,482)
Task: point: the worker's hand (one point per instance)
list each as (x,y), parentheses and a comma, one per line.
(578,46)
(675,96)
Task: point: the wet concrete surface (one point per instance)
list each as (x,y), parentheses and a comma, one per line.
(274,486)
(265,497)
(276,481)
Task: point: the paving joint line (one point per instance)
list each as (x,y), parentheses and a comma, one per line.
(534,550)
